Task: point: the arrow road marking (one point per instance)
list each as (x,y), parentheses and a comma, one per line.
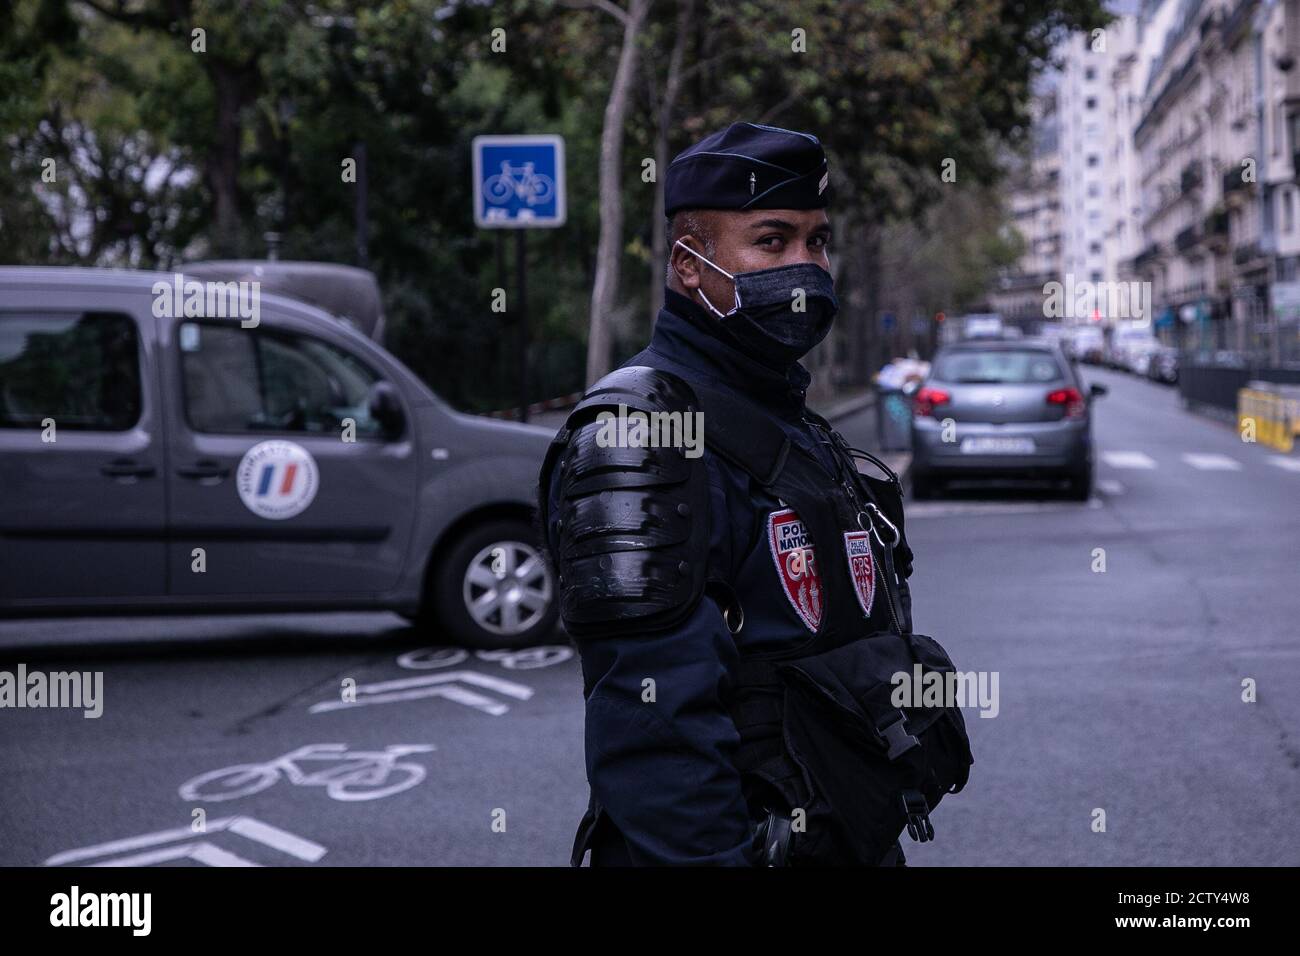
(191,845)
(434,685)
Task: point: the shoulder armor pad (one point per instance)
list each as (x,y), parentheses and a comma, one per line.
(630,533)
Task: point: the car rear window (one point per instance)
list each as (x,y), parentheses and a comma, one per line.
(997,367)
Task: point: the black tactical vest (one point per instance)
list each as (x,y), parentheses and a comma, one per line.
(818,731)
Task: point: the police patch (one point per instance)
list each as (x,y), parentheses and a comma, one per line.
(862,567)
(795,565)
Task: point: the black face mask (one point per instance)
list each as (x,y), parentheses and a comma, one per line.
(780,314)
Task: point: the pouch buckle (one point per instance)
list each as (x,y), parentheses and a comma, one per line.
(772,839)
(896,736)
(919,827)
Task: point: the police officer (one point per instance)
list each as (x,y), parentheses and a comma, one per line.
(679,572)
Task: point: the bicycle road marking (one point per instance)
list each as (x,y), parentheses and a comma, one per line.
(527,658)
(353,771)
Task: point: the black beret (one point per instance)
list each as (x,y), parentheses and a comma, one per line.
(748,166)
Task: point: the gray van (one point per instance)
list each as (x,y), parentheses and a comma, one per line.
(172,444)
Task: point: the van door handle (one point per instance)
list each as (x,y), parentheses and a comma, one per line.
(127,468)
(208,472)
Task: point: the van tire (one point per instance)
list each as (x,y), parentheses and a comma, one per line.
(446,609)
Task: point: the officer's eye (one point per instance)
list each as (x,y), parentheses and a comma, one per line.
(819,242)
(775,242)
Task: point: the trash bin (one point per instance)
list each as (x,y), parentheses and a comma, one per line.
(893,418)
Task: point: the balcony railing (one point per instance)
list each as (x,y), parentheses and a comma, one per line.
(1187,238)
(1233,182)
(1246,252)
(1147,256)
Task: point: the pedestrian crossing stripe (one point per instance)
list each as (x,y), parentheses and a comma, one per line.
(1127,459)
(1290,464)
(1211,462)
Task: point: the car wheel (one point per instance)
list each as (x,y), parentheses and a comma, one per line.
(494,588)
(922,488)
(1079,486)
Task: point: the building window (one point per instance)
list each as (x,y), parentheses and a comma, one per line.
(1090,103)
(1094,159)
(1288,210)
(1090,73)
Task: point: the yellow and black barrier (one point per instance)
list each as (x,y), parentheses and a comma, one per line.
(1269,414)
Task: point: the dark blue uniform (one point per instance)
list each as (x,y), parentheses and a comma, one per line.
(664,784)
(740,616)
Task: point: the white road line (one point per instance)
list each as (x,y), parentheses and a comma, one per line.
(1127,459)
(282,840)
(1290,464)
(948,509)
(1110,486)
(1211,462)
(202,850)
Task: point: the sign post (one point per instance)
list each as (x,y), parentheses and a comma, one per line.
(519,184)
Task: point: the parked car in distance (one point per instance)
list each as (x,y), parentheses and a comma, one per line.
(1163,366)
(1126,345)
(983,325)
(1086,343)
(156,459)
(1139,354)
(1000,409)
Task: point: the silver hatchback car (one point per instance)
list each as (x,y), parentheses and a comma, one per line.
(1002,409)
(159,454)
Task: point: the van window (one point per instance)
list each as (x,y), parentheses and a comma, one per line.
(240,380)
(81,369)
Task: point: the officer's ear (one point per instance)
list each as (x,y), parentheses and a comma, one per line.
(686,265)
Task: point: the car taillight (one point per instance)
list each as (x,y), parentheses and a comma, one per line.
(925,400)
(1070,398)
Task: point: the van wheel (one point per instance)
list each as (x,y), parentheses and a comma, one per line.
(494,588)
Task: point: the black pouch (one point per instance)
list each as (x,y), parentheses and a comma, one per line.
(872,769)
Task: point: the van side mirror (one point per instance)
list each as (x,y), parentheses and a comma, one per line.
(1096,391)
(386,408)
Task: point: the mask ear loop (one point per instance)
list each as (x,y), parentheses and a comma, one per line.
(734,285)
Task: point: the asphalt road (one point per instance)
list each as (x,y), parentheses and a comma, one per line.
(1119,691)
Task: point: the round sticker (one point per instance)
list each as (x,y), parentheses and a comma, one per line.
(277,479)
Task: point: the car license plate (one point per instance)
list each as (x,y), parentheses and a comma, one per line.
(995,445)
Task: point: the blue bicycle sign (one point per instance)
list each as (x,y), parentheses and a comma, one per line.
(519,181)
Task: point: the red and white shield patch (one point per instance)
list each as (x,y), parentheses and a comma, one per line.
(862,567)
(795,565)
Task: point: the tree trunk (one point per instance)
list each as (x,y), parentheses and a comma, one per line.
(223,165)
(609,248)
(667,110)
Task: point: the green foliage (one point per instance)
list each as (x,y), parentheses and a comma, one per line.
(165,154)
